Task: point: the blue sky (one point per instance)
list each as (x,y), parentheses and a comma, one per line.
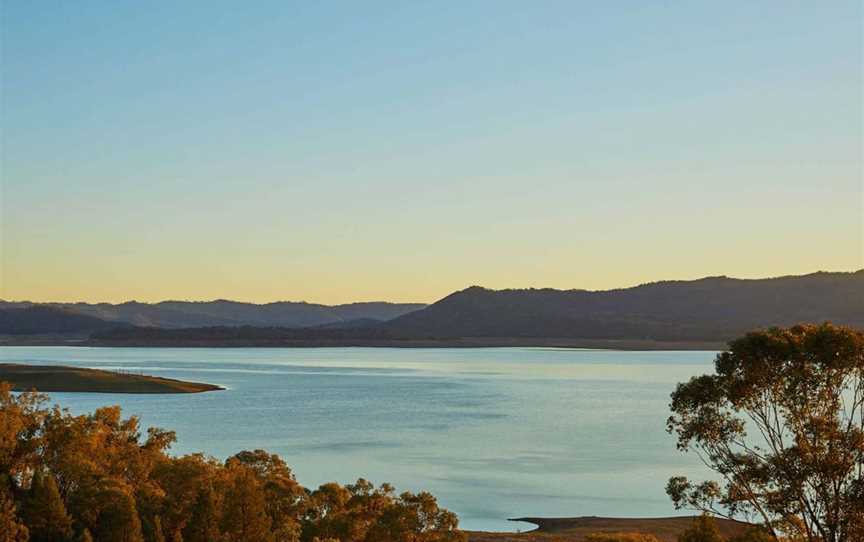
(368,150)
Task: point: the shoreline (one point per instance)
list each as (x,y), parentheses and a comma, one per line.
(467,342)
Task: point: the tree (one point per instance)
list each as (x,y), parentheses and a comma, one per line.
(244,517)
(118,517)
(284,497)
(782,422)
(96,472)
(415,517)
(107,509)
(703,529)
(152,529)
(326,517)
(203,525)
(44,512)
(12,529)
(181,479)
(21,419)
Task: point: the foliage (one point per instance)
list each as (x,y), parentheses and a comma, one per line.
(44,511)
(703,529)
(12,529)
(96,477)
(620,537)
(782,422)
(755,534)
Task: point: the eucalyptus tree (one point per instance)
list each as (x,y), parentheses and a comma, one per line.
(781,421)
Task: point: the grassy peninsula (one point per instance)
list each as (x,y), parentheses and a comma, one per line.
(57,378)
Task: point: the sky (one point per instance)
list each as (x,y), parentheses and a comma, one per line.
(346,151)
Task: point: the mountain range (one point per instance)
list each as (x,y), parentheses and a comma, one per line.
(713,308)
(36,320)
(708,309)
(182,314)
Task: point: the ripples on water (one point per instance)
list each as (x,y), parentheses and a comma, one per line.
(492,432)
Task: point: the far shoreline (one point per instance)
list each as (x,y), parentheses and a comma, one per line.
(466,343)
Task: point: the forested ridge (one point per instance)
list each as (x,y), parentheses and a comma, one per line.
(712,309)
(179,314)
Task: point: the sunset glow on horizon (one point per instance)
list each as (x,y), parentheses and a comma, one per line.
(383,151)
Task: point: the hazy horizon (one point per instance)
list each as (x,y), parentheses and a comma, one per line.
(382,151)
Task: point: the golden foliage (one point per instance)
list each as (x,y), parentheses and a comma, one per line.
(95,477)
(620,537)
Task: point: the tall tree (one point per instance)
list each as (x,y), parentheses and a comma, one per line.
(203,525)
(152,530)
(118,516)
(782,422)
(283,495)
(21,438)
(12,529)
(244,516)
(415,517)
(44,512)
(181,480)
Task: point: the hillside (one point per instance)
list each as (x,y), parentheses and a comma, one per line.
(182,314)
(709,309)
(689,313)
(577,529)
(48,320)
(240,336)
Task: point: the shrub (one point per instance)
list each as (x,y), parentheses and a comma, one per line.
(620,537)
(703,529)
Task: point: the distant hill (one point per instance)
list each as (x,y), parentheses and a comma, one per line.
(360,323)
(183,314)
(709,309)
(45,320)
(243,336)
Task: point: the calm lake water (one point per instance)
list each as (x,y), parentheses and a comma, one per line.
(493,433)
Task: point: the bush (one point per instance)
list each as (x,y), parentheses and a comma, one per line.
(755,534)
(703,529)
(620,537)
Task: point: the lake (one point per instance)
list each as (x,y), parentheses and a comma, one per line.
(492,432)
